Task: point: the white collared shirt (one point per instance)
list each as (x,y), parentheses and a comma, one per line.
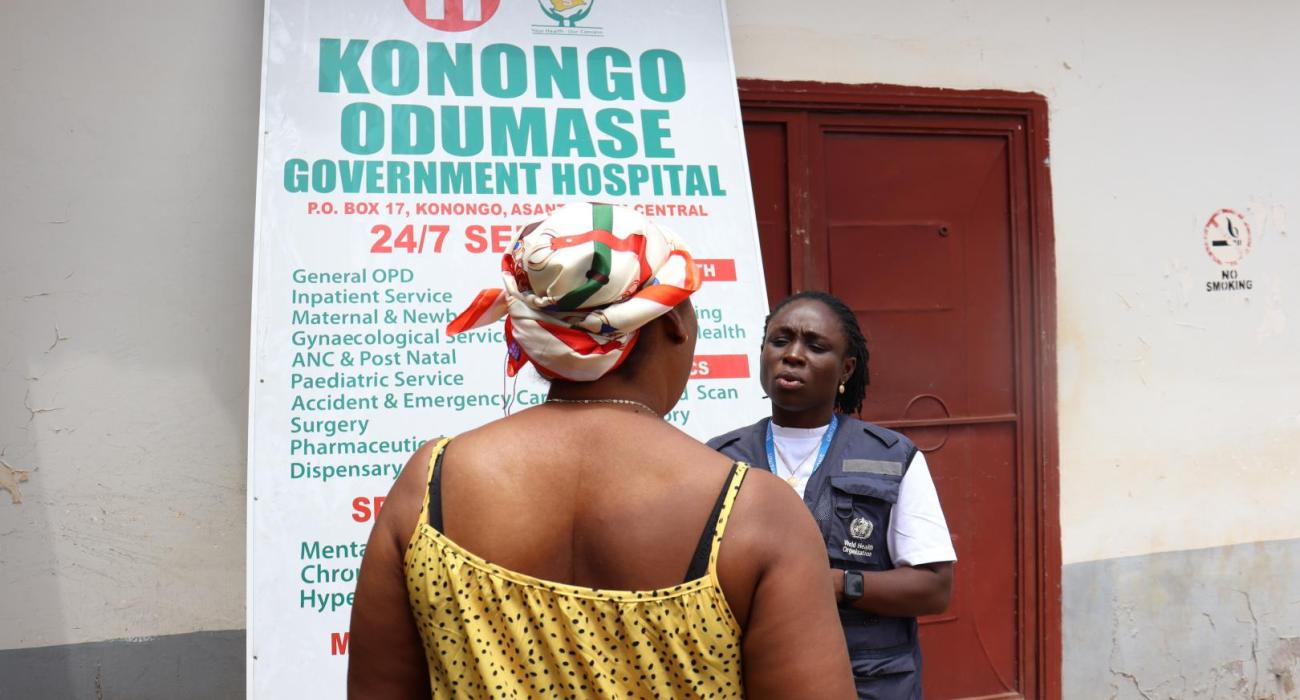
(918,532)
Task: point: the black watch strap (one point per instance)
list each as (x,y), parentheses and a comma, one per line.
(853,585)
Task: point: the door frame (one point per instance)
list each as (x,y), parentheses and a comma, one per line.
(1034,290)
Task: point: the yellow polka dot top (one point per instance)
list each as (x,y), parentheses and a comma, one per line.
(490,632)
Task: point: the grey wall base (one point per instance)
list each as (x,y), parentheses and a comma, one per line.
(197,666)
(1200,624)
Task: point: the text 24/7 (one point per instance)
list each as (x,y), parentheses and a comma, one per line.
(418,238)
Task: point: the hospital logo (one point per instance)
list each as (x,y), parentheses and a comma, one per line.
(861,528)
(566,14)
(453,15)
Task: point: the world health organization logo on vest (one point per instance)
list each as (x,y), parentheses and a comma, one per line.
(567,14)
(861,528)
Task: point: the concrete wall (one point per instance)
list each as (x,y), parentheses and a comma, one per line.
(127,154)
(128,140)
(1193,624)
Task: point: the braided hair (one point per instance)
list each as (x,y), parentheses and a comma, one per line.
(855,389)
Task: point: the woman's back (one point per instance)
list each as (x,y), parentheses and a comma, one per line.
(492,629)
(601,497)
(572,508)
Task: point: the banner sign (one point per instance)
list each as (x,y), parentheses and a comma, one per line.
(402,146)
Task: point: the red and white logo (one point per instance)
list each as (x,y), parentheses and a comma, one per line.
(1227,237)
(453,15)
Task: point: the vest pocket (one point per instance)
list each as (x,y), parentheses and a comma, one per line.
(887,677)
(856,534)
(877,641)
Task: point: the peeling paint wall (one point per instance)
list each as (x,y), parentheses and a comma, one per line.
(127,162)
(1192,625)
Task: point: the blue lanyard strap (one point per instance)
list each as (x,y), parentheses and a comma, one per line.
(821,451)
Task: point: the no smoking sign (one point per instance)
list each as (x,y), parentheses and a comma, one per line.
(1227,237)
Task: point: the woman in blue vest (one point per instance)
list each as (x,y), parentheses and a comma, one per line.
(869,488)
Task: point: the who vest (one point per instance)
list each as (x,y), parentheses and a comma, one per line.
(851,496)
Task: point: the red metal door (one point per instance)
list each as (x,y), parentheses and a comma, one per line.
(922,219)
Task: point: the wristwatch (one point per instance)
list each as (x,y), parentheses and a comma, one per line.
(853,585)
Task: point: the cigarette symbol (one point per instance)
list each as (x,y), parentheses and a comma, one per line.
(1234,238)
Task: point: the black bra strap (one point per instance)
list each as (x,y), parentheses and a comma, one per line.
(435,491)
(700,562)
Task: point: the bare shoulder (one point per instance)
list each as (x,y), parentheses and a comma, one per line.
(513,435)
(770,530)
(694,465)
(765,505)
(648,441)
(401,510)
(692,450)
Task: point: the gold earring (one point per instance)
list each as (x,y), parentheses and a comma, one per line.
(841,388)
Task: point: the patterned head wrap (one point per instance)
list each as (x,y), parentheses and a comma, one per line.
(579,285)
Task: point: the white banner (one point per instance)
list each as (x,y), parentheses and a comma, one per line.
(402,146)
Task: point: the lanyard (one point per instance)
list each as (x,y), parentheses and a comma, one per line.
(821,450)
